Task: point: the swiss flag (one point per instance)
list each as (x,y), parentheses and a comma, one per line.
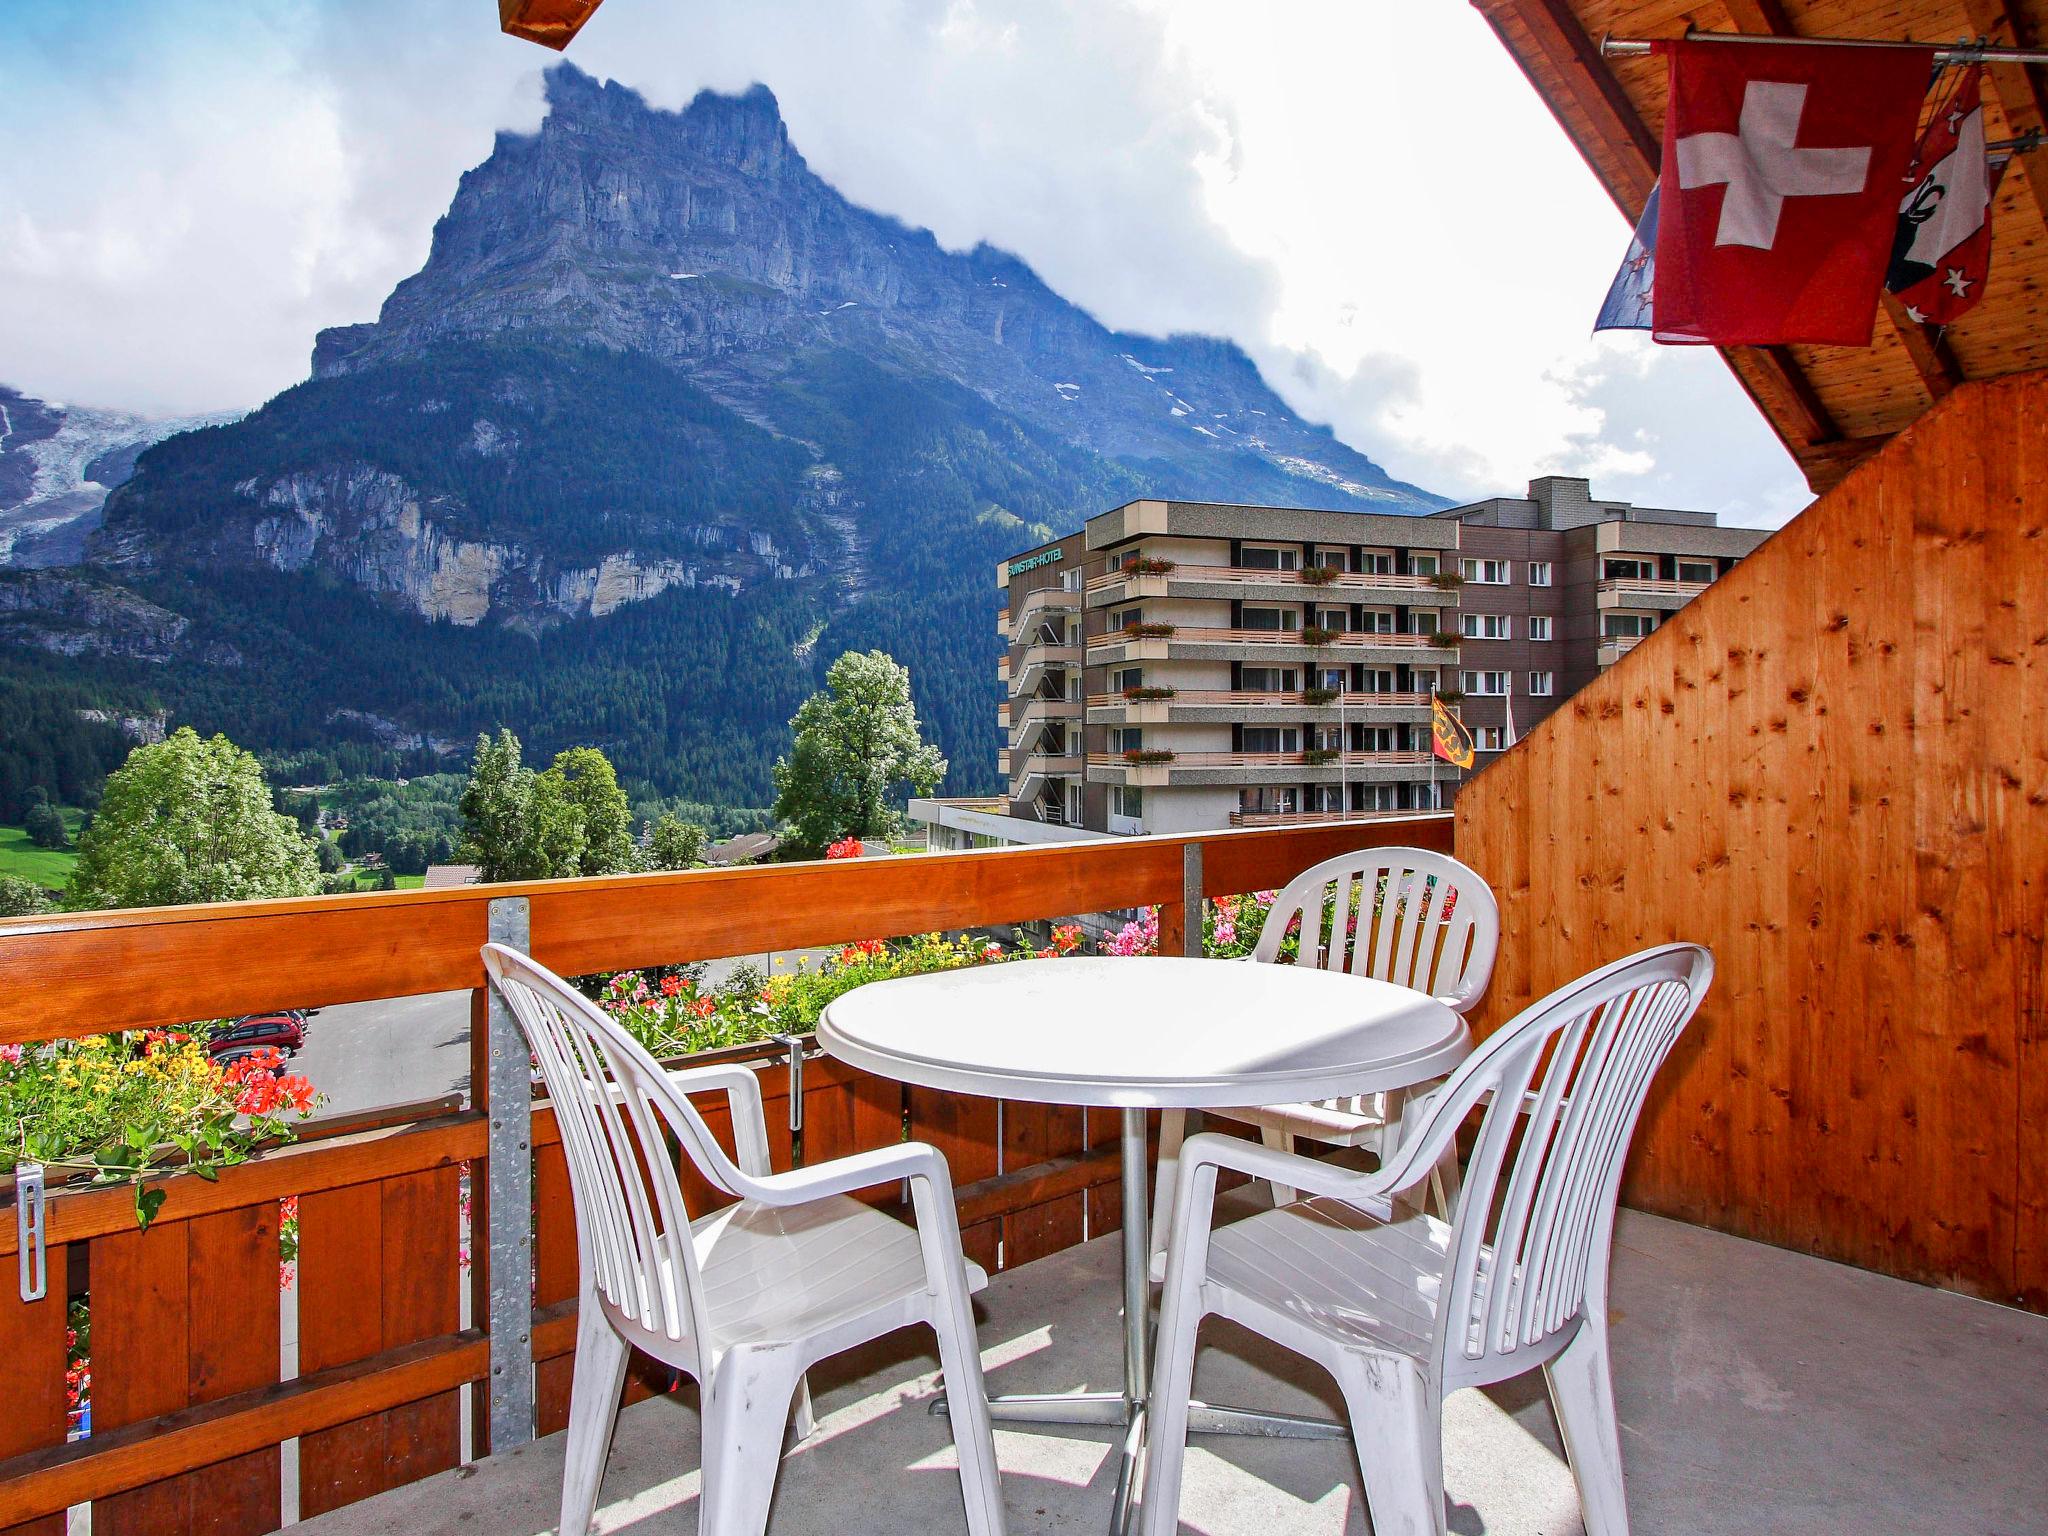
(1783,169)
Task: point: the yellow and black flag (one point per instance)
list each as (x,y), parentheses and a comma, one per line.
(1449,738)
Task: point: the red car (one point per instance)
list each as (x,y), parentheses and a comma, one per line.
(279,1030)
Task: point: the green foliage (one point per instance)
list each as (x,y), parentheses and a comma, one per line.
(673,843)
(48,751)
(856,744)
(328,855)
(571,819)
(410,824)
(44,825)
(187,820)
(22,898)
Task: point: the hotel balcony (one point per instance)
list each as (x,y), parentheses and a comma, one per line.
(1028,670)
(1041,601)
(1038,709)
(1631,592)
(1213,768)
(1230,581)
(1614,647)
(1191,642)
(1312,818)
(1229,706)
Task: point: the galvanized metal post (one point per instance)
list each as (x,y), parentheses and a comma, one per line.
(1191,899)
(510,1239)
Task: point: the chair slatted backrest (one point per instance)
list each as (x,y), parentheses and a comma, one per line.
(617,1110)
(1563,1085)
(1404,915)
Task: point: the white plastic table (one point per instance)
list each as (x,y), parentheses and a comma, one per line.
(1137,1034)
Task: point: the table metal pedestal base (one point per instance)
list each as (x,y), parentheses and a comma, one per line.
(1127,1409)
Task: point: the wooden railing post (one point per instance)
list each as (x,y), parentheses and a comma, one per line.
(508,1211)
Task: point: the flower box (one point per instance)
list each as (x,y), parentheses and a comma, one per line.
(1447,581)
(1440,638)
(1316,634)
(1146,631)
(1141,756)
(1318,697)
(1144,695)
(1318,757)
(1321,575)
(1148,565)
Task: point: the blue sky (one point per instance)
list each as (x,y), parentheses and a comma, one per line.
(191,191)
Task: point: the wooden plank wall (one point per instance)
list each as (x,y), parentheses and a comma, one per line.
(1833,769)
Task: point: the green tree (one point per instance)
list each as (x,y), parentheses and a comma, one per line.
(673,843)
(22,898)
(593,789)
(856,744)
(187,820)
(328,855)
(571,819)
(44,824)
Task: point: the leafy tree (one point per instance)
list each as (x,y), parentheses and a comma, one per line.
(44,824)
(673,843)
(328,855)
(187,820)
(571,819)
(593,789)
(22,898)
(856,744)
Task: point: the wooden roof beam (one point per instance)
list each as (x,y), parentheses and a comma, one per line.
(1625,156)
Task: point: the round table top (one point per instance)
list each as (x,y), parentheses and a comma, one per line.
(1145,1033)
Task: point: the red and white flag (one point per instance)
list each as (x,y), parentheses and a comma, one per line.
(1941,255)
(1783,169)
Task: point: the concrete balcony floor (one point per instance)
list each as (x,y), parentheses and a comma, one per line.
(1759,1390)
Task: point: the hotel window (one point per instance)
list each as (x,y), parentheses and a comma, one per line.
(1539,573)
(1420,682)
(1129,677)
(1693,570)
(1422,565)
(1376,621)
(1377,681)
(1332,677)
(1271,619)
(1490,738)
(1326,738)
(1628,570)
(1483,684)
(1126,738)
(1376,738)
(1267,800)
(1539,626)
(1328,798)
(1334,559)
(1487,626)
(1268,557)
(1627,626)
(1124,618)
(1381,797)
(1124,800)
(1271,738)
(1338,619)
(1540,685)
(1374,563)
(1266,680)
(1492,573)
(1073,805)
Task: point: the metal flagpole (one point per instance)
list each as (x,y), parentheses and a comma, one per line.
(1954,53)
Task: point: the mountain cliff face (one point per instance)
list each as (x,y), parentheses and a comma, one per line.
(660,389)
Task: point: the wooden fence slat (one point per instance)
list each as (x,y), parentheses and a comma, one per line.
(341,1261)
(963,1127)
(554,1278)
(32,1345)
(140,1324)
(1033,1134)
(232,1291)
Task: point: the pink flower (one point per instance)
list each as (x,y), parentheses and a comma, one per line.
(11,1054)
(845,848)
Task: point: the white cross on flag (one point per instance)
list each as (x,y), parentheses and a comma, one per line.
(1783,169)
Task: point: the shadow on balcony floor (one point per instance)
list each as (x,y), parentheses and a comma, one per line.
(1759,1391)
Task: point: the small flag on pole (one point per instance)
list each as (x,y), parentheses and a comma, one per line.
(1449,739)
(1507,705)
(1941,255)
(1628,306)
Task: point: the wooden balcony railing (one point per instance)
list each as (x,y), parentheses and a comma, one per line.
(1312,818)
(1652,587)
(186,1322)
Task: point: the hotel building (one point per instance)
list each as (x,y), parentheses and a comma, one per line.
(1181,666)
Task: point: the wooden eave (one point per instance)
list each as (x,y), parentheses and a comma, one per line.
(1832,406)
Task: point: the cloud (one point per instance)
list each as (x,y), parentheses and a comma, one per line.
(198,206)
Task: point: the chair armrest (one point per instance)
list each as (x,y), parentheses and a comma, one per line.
(862,1170)
(742,1090)
(1363,1190)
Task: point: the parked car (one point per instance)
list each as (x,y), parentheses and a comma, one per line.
(281,1031)
(235,1053)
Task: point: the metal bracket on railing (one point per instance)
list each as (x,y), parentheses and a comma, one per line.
(795,1046)
(30,1228)
(510,1206)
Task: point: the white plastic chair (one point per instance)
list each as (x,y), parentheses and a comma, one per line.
(1437,930)
(1404,1309)
(744,1299)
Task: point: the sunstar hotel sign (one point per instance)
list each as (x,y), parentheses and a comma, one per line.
(1050,557)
